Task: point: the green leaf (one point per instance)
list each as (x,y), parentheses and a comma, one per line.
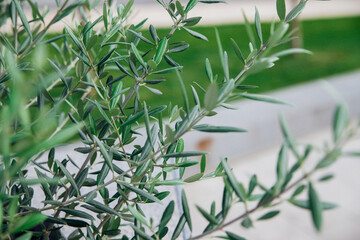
(7,43)
(184,154)
(288,136)
(340,121)
(168,70)
(191,21)
(305,204)
(208,70)
(326,177)
(233,236)
(26,236)
(247,223)
(329,159)
(137,55)
(191,4)
(87,28)
(282,163)
(207,216)
(179,227)
(103,207)
(180,8)
(139,35)
(237,51)
(296,11)
(220,48)
(77,213)
(232,180)
(194,178)
(167,215)
(102,112)
(258,25)
(23,18)
(75,39)
(141,233)
(137,215)
(27,222)
(142,193)
(249,30)
(105,154)
(68,176)
(269,215)
(211,97)
(169,183)
(195,34)
(281,9)
(105,16)
(186,209)
(127,8)
(161,50)
(262,98)
(183,92)
(153,33)
(217,129)
(203,164)
(315,207)
(291,51)
(298,190)
(1,215)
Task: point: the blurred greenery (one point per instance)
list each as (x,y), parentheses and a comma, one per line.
(334,43)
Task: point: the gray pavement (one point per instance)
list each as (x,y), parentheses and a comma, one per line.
(227,13)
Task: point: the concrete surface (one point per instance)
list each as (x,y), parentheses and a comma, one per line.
(292,223)
(220,13)
(312,110)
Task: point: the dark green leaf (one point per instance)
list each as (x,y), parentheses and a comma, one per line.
(23,18)
(233,236)
(269,215)
(217,129)
(247,223)
(142,193)
(68,176)
(281,9)
(306,204)
(207,216)
(315,207)
(27,222)
(237,51)
(179,227)
(77,213)
(167,215)
(184,154)
(186,209)
(103,207)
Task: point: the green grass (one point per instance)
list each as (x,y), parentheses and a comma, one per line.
(335,44)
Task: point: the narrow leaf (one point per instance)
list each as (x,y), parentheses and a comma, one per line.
(232,180)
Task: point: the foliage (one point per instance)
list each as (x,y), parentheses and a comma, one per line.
(104,193)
